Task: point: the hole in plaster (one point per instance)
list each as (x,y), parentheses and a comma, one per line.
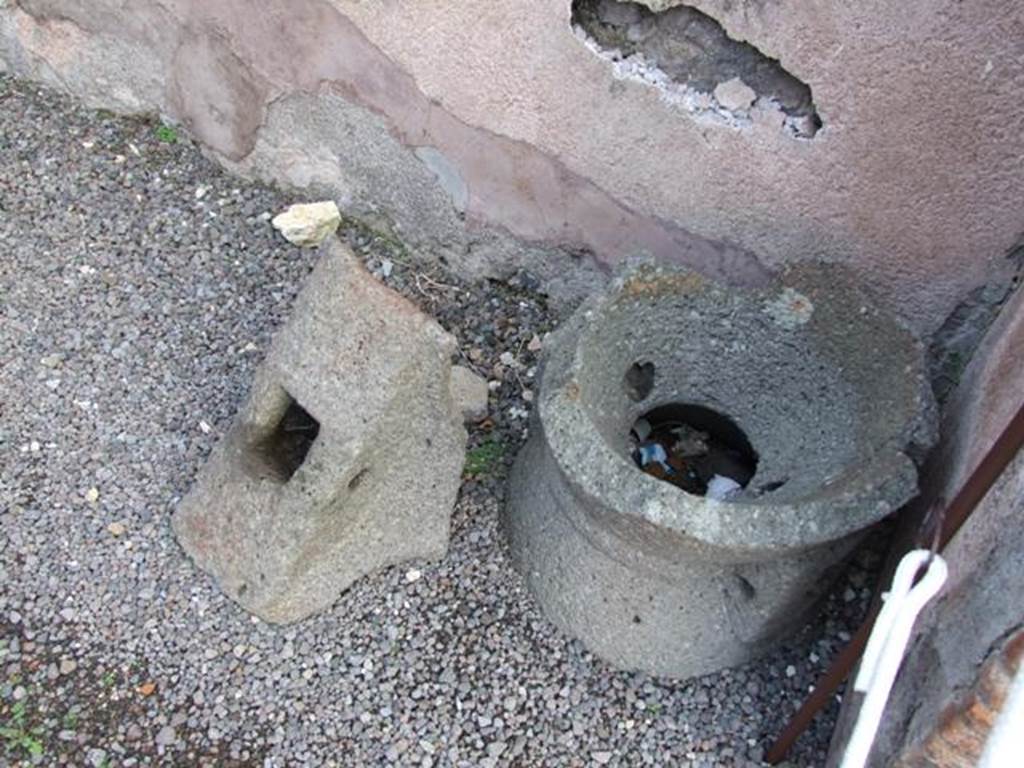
(689,57)
(698,449)
(284,448)
(639,381)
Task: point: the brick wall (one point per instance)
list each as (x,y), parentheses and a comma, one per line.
(959,737)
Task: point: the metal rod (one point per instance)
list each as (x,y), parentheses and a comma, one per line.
(956,514)
(984,477)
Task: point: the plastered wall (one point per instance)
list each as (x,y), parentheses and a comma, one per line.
(492,134)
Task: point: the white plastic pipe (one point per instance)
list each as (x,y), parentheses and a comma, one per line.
(887,644)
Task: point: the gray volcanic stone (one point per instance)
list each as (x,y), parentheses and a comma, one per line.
(346,457)
(833,397)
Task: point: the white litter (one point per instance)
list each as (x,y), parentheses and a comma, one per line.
(642,430)
(721,487)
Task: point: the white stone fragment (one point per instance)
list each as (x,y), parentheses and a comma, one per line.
(308,224)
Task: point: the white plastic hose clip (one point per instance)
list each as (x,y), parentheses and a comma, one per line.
(888,642)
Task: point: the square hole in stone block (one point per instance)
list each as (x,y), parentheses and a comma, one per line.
(282,450)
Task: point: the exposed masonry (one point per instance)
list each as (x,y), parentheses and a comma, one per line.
(960,733)
(693,63)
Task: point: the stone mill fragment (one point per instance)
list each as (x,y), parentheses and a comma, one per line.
(702,457)
(346,456)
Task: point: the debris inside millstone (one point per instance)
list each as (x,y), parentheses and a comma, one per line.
(690,442)
(641,430)
(721,487)
(649,453)
(690,459)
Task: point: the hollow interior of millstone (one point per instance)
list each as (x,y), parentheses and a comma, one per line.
(284,448)
(695,448)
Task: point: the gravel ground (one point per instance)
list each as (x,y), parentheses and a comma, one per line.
(140,286)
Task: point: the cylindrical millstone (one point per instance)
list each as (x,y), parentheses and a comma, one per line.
(777,424)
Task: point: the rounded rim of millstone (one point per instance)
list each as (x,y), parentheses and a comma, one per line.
(818,307)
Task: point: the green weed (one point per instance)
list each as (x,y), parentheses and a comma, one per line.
(483,459)
(166,133)
(18,735)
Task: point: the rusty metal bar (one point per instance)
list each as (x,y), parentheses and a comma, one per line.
(956,514)
(984,477)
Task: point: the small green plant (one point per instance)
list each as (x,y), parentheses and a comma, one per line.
(483,459)
(18,735)
(70,720)
(166,133)
(109,679)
